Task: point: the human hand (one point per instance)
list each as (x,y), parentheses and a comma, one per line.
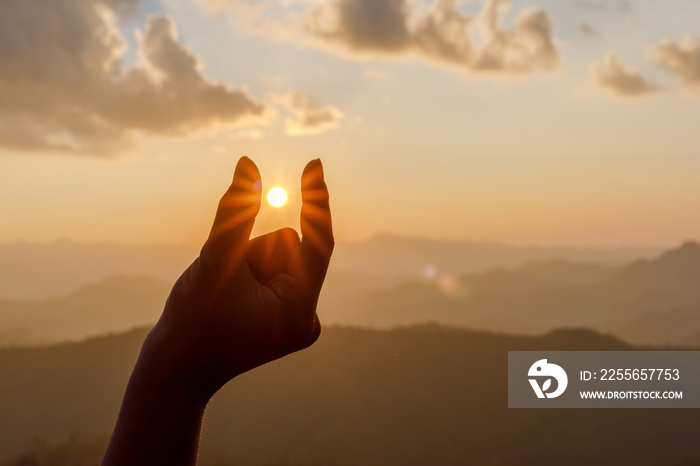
(244,302)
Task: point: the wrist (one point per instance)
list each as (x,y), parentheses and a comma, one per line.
(162,373)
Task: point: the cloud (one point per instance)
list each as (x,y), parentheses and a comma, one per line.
(308,116)
(373,25)
(443,35)
(168,94)
(64,89)
(683,58)
(619,80)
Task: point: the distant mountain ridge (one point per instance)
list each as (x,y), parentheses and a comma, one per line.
(38,271)
(653,300)
(33,271)
(649,301)
(675,267)
(114,304)
(406,256)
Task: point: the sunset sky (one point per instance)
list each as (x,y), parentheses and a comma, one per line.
(541,122)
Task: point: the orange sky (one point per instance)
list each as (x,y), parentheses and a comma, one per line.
(520,143)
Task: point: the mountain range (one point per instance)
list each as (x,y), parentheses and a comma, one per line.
(654,300)
(33,271)
(646,301)
(112,305)
(411,396)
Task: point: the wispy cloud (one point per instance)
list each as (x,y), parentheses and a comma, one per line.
(682,59)
(307,116)
(620,80)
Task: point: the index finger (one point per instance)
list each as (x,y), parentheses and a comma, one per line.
(317,240)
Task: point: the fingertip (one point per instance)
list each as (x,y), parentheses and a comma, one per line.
(314,164)
(246,169)
(316,223)
(246,181)
(313,183)
(242,162)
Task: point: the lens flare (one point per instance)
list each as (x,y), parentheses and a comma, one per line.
(277,197)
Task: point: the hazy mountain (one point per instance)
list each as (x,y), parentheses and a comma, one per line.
(402,256)
(412,396)
(112,305)
(676,270)
(647,301)
(122,302)
(32,271)
(533,298)
(39,271)
(561,272)
(652,301)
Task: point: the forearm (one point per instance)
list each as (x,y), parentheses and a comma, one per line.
(159,422)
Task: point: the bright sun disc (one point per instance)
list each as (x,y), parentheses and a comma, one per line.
(277,197)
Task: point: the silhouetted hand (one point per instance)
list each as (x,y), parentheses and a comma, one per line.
(240,304)
(243,303)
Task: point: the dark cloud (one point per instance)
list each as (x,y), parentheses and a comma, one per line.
(620,80)
(63,87)
(373,25)
(443,35)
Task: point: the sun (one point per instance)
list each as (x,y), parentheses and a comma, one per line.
(277,197)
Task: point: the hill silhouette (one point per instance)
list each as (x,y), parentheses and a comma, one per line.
(650,301)
(676,272)
(409,396)
(114,304)
(36,271)
(407,257)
